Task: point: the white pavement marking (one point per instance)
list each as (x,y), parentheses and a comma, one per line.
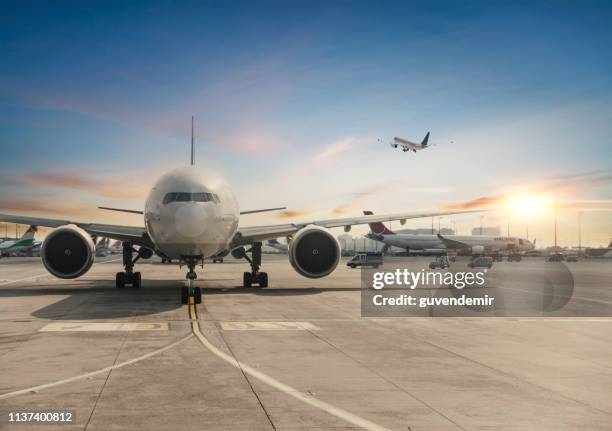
(44,274)
(103,326)
(268,326)
(93,373)
(270,381)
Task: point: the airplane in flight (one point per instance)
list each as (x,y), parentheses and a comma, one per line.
(26,242)
(190,216)
(475,244)
(409,145)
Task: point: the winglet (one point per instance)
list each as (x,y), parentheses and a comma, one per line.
(192,144)
(424,143)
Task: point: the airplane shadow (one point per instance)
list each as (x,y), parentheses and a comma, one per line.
(99,299)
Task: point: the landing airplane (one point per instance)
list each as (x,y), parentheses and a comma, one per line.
(26,242)
(475,244)
(190,215)
(409,145)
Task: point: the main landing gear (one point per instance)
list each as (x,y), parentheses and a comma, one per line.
(254,277)
(191,289)
(128,276)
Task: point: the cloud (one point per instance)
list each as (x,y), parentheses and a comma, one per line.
(335,148)
(42,207)
(292,214)
(115,188)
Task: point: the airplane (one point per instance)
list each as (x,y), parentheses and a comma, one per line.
(190,215)
(283,248)
(599,252)
(409,145)
(102,247)
(475,244)
(26,242)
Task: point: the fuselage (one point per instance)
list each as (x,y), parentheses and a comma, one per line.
(189,213)
(431,242)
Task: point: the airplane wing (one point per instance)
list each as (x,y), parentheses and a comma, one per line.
(248,235)
(452,244)
(135,235)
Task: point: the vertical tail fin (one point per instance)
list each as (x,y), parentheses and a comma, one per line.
(192,144)
(425,140)
(378,227)
(29,234)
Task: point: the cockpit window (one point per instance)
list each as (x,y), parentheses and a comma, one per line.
(191,197)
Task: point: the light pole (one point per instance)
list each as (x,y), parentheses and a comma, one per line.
(555,232)
(579,233)
(439,218)
(481,217)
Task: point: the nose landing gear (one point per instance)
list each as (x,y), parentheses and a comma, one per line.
(191,289)
(128,276)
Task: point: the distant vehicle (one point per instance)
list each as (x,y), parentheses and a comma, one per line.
(481,262)
(514,257)
(555,257)
(497,257)
(572,258)
(366,259)
(409,145)
(440,263)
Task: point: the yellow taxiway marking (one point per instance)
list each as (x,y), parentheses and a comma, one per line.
(270,381)
(94,373)
(268,326)
(103,326)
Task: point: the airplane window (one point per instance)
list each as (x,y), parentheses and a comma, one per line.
(190,197)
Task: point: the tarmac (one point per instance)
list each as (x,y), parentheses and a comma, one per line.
(294,356)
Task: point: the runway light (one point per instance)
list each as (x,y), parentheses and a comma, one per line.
(528,204)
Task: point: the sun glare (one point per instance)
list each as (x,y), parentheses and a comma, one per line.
(528,204)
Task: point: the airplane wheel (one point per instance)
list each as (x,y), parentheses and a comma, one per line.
(184,295)
(120,280)
(247,279)
(197,295)
(136,278)
(262,279)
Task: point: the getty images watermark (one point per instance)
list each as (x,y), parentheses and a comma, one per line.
(530,288)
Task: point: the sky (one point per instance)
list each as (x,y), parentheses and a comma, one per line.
(295,103)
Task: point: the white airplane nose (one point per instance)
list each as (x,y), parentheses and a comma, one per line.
(191,220)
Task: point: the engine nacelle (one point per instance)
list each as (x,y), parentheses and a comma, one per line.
(478,249)
(314,252)
(68,252)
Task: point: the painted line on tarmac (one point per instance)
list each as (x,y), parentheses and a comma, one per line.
(270,381)
(94,373)
(45,274)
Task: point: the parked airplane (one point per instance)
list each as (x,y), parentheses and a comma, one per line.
(409,145)
(599,252)
(283,248)
(476,244)
(26,242)
(102,247)
(190,216)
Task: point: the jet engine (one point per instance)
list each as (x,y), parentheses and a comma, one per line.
(314,252)
(68,252)
(478,249)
